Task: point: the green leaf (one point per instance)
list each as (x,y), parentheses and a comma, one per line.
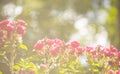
(22,46)
(96,64)
(5,46)
(95,70)
(63,71)
(16,67)
(2,53)
(30,65)
(1,72)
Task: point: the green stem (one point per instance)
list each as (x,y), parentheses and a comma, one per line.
(12,58)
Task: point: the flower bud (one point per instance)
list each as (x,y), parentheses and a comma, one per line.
(32,72)
(22,23)
(111,72)
(21,71)
(4,22)
(20,30)
(75,44)
(39,45)
(54,51)
(118,72)
(43,66)
(10,28)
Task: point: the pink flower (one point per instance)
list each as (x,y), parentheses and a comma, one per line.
(21,71)
(39,45)
(111,72)
(93,51)
(20,30)
(32,72)
(80,49)
(43,66)
(113,49)
(10,27)
(71,51)
(75,44)
(0,45)
(89,48)
(118,54)
(4,22)
(118,72)
(117,63)
(54,51)
(58,42)
(49,41)
(107,52)
(110,62)
(21,22)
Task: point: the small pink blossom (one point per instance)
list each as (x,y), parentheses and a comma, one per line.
(39,45)
(54,51)
(4,22)
(113,49)
(10,27)
(79,50)
(32,72)
(117,63)
(71,51)
(107,52)
(110,62)
(49,42)
(21,71)
(111,72)
(21,22)
(20,30)
(89,48)
(118,54)
(58,42)
(118,72)
(75,44)
(93,51)
(43,66)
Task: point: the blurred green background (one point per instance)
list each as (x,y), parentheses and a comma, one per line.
(88,21)
(91,22)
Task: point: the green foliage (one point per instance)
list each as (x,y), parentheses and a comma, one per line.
(1,72)
(112,26)
(22,46)
(26,65)
(16,67)
(42,23)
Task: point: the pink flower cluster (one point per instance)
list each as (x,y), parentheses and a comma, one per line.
(113,72)
(51,45)
(56,48)
(8,30)
(74,47)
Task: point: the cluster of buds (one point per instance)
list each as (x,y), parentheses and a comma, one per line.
(10,30)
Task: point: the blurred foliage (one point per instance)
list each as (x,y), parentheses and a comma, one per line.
(112,24)
(112,27)
(46,18)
